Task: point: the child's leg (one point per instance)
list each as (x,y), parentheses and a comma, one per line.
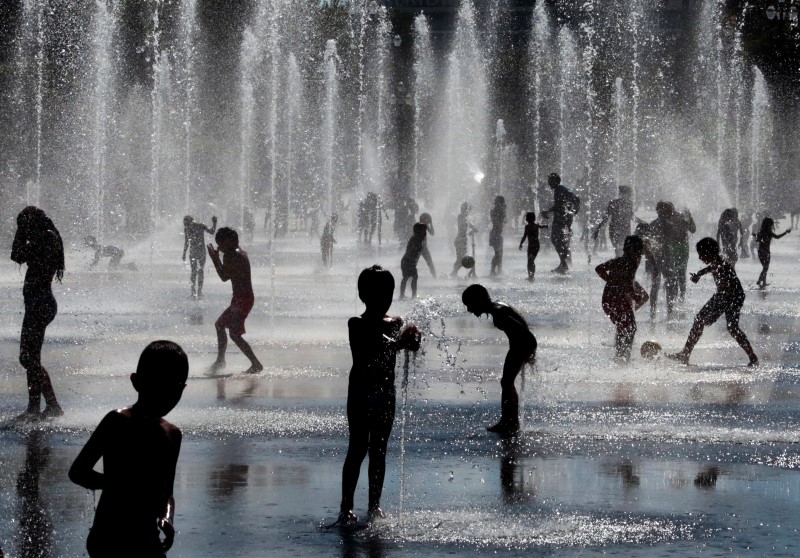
(357,421)
(655,286)
(200,276)
(378,439)
(247,350)
(222,339)
(509,398)
(764,258)
(708,314)
(403,282)
(193,277)
(732,319)
(414,285)
(620,311)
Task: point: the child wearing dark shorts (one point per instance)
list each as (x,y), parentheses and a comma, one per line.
(532,235)
(416,247)
(728,300)
(236,268)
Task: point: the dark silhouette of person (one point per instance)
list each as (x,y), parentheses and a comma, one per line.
(327,240)
(664,234)
(249,224)
(234,267)
(464,228)
(497,216)
(521,350)
(622,292)
(112,252)
(404,217)
(619,215)
(38,243)
(417,246)
(195,242)
(764,238)
(375,339)
(531,234)
(35,523)
(746,220)
(794,217)
(369,217)
(139,450)
(728,300)
(565,205)
(730,234)
(681,226)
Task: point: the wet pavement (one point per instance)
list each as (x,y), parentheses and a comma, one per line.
(651,459)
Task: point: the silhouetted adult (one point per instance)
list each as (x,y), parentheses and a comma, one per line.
(619,214)
(681,226)
(730,235)
(565,206)
(38,244)
(369,217)
(666,264)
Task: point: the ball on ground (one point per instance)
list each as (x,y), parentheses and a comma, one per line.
(650,349)
(468,262)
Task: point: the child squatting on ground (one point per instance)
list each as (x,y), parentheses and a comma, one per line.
(375,339)
(139,450)
(622,292)
(728,300)
(521,350)
(236,267)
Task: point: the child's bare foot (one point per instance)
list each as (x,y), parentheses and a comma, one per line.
(375,513)
(28,416)
(254,369)
(347,518)
(53,411)
(753,362)
(504,428)
(216,367)
(681,357)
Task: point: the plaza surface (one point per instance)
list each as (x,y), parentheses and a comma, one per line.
(651,459)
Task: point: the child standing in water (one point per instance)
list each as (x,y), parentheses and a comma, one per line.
(728,300)
(417,246)
(764,239)
(521,350)
(236,267)
(37,243)
(375,339)
(327,240)
(498,218)
(139,450)
(620,291)
(532,234)
(194,242)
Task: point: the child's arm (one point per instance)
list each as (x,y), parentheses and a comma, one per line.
(524,236)
(784,233)
(541,226)
(97,251)
(82,471)
(213,228)
(603,271)
(222,270)
(167,516)
(428,260)
(695,277)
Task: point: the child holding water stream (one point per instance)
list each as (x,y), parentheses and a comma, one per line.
(521,350)
(375,339)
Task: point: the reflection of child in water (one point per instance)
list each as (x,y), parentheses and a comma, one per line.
(115,254)
(375,339)
(521,350)
(621,291)
(139,450)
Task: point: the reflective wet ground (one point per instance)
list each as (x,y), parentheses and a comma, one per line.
(650,459)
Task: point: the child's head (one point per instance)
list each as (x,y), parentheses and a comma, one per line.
(376,288)
(161,376)
(664,209)
(500,201)
(708,249)
(767,225)
(188,220)
(420,230)
(334,218)
(465,207)
(530,217)
(633,247)
(90,240)
(625,191)
(227,239)
(476,299)
(553,180)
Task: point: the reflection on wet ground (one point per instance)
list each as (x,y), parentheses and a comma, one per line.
(648,460)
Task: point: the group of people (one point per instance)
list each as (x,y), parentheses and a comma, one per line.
(137,501)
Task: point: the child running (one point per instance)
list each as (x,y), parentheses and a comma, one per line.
(728,299)
(764,239)
(236,267)
(417,246)
(375,339)
(620,292)
(532,235)
(139,450)
(521,350)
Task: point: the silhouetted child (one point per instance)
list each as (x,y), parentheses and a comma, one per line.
(728,300)
(375,339)
(532,235)
(521,350)
(764,238)
(139,450)
(236,267)
(114,253)
(622,292)
(498,218)
(195,242)
(416,247)
(327,240)
(465,227)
